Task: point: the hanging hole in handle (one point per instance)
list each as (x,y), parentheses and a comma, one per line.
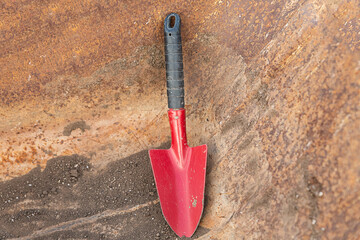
(172,21)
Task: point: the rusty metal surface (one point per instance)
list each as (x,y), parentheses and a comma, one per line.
(281,117)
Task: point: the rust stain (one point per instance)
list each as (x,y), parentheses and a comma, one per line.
(59,38)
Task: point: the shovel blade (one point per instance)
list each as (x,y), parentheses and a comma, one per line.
(180,184)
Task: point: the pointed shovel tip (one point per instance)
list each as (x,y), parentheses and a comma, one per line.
(182,234)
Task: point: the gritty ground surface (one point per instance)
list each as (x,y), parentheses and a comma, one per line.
(68,201)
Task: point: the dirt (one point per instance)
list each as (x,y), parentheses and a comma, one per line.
(71,200)
(75,125)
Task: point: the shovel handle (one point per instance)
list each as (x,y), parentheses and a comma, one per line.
(174,62)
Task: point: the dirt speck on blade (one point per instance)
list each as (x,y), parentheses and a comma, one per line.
(68,200)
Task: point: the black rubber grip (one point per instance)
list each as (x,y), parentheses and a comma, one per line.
(174,62)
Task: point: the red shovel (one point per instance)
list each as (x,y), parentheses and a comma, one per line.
(179,171)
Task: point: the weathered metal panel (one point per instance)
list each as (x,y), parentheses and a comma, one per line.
(281,117)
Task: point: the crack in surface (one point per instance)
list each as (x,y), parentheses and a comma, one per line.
(86,220)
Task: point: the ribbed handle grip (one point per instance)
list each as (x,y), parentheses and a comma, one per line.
(174,62)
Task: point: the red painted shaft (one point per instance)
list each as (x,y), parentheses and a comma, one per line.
(179,145)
